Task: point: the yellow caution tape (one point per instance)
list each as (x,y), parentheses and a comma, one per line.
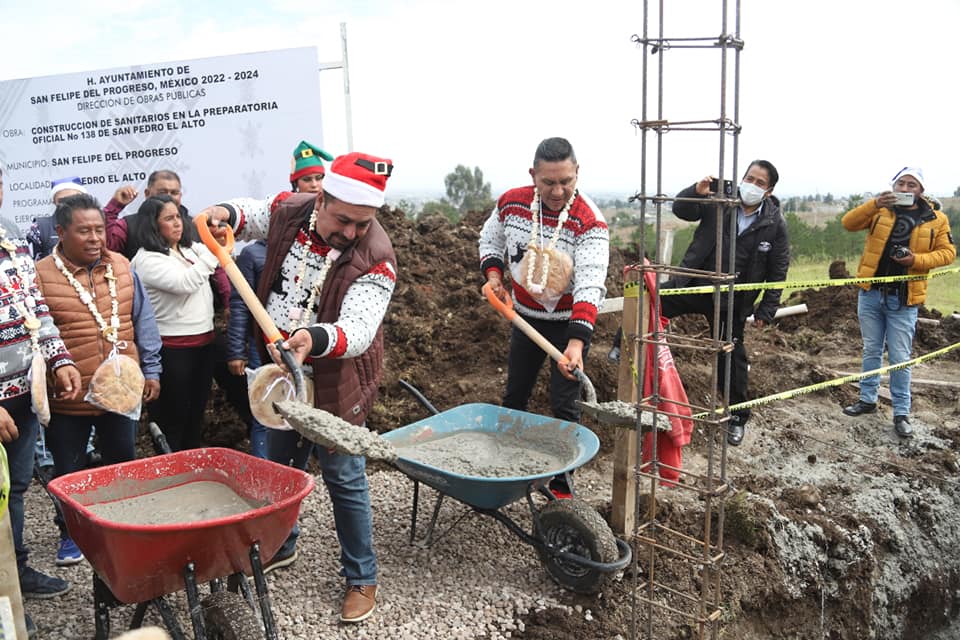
(836,382)
(631,289)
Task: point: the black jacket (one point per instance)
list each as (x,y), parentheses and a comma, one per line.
(763,250)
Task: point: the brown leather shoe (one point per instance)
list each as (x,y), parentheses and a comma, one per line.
(359,603)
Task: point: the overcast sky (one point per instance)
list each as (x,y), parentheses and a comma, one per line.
(839,95)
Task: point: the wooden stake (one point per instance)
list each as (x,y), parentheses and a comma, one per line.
(634,321)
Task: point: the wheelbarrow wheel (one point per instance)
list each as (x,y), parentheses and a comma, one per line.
(228,616)
(575,527)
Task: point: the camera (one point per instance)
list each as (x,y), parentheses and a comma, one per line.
(727,187)
(899,251)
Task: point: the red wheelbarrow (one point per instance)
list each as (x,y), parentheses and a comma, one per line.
(141,563)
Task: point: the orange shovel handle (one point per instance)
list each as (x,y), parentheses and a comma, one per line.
(221,251)
(505,308)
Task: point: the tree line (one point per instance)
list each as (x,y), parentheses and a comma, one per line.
(466,191)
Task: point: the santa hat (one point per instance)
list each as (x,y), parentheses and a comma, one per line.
(358,178)
(66,184)
(916,172)
(307,160)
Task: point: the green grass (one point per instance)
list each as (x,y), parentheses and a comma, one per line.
(943,293)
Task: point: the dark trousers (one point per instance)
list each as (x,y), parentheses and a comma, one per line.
(673,306)
(67,438)
(20,464)
(523,366)
(233,387)
(184,390)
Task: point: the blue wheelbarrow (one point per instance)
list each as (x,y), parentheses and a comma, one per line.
(575,545)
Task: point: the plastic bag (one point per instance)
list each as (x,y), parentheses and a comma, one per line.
(117,386)
(268,384)
(37,377)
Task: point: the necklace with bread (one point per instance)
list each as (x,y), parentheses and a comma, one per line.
(535,246)
(301,317)
(108,331)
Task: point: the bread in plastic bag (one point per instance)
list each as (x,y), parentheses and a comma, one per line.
(117,386)
(268,384)
(37,377)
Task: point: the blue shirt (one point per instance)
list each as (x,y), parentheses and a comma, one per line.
(744,221)
(146,335)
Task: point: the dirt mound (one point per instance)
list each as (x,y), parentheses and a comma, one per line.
(442,336)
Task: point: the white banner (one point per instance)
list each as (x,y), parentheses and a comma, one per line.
(227,125)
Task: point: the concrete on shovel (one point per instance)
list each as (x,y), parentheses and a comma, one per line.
(328,430)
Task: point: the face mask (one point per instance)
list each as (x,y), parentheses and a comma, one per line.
(750,194)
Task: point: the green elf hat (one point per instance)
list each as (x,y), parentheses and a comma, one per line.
(307,160)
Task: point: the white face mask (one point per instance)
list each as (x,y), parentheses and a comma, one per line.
(751,194)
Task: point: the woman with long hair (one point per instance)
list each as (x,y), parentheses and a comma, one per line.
(175,269)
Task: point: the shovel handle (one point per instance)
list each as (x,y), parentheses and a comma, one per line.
(221,251)
(240,283)
(505,308)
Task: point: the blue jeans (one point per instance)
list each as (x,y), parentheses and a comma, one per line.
(886,322)
(346,480)
(20,460)
(67,438)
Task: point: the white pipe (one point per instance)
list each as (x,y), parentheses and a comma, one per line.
(783,312)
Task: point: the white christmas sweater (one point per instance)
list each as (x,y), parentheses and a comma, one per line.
(17,284)
(364,304)
(584,237)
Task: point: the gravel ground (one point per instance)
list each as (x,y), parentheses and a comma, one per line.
(475,582)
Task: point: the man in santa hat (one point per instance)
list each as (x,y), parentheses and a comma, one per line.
(328,277)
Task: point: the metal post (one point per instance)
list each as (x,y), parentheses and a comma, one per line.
(343,64)
(346,86)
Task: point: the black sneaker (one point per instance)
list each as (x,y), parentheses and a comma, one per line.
(283,558)
(901,424)
(40,586)
(31,627)
(859,408)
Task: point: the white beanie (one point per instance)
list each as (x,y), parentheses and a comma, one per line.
(916,172)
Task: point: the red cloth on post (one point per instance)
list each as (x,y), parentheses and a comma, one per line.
(669,443)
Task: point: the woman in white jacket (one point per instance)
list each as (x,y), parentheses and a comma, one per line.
(175,269)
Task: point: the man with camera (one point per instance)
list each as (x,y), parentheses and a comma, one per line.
(906,235)
(762,255)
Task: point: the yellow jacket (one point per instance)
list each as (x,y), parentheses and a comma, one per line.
(930,242)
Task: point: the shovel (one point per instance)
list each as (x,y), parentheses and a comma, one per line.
(222,253)
(507,311)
